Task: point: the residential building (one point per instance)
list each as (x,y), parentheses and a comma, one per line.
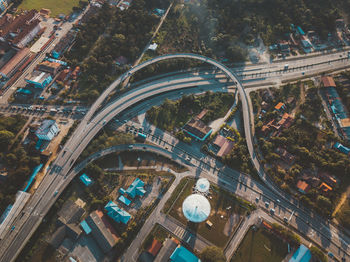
(47,130)
(327,81)
(4,4)
(302,254)
(40,44)
(68,218)
(325,188)
(124,200)
(20,29)
(14,63)
(117,214)
(85,226)
(197,129)
(280,107)
(71,212)
(155,247)
(223,145)
(181,254)
(63,44)
(39,79)
(102,231)
(285,155)
(303,187)
(87,181)
(136,188)
(342,148)
(49,67)
(27,34)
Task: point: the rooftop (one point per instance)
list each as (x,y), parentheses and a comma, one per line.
(181,254)
(98,222)
(70,212)
(328,81)
(303,186)
(303,254)
(279,106)
(197,128)
(85,179)
(124,200)
(14,61)
(45,127)
(136,188)
(116,213)
(38,77)
(155,247)
(196,208)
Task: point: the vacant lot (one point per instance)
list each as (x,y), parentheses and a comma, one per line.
(260,246)
(225,214)
(56,7)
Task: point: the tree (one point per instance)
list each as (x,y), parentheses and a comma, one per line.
(5,139)
(212,254)
(317,253)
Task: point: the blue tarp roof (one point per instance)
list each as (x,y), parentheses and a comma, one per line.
(116,213)
(124,200)
(24,91)
(136,188)
(85,179)
(181,254)
(85,227)
(300,30)
(303,254)
(35,172)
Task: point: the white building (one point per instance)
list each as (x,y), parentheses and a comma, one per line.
(48,130)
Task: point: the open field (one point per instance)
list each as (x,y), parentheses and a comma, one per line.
(56,7)
(260,246)
(226,212)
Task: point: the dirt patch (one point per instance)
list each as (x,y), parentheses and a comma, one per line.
(54,148)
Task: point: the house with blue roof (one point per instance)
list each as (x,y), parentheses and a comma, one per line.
(124,200)
(342,148)
(87,181)
(117,214)
(303,254)
(136,188)
(85,227)
(182,254)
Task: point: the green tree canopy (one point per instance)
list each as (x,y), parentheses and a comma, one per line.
(212,254)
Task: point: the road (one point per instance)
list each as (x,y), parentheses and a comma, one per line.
(20,82)
(58,177)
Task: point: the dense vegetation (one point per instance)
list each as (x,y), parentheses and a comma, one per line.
(15,160)
(125,34)
(174,114)
(224,28)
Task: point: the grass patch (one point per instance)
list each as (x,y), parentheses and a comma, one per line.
(56,7)
(174,114)
(260,246)
(219,199)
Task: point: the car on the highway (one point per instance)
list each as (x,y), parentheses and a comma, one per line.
(130,146)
